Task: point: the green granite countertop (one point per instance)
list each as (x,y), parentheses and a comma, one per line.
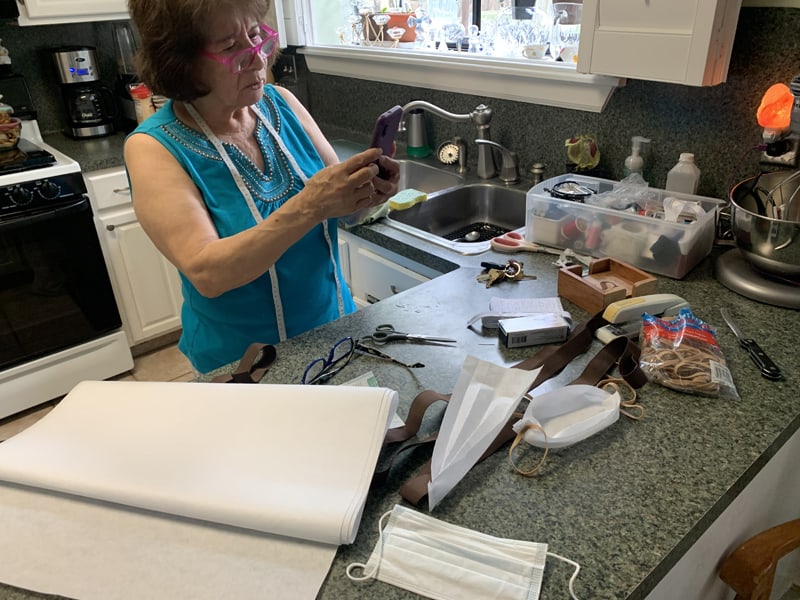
(628,502)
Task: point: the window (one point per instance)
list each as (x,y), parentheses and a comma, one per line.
(461,50)
(487,27)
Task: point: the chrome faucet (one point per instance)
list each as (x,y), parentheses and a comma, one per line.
(481,116)
(509,172)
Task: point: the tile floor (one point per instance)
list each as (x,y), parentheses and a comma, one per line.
(164,364)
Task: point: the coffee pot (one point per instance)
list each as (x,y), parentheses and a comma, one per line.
(89,105)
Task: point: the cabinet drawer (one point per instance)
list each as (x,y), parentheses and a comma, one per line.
(108,188)
(379,278)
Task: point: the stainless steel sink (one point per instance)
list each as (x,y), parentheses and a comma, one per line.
(463,218)
(426,178)
(417,175)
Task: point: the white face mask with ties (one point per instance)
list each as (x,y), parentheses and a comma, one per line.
(446,562)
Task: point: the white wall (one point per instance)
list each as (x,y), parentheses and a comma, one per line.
(771,498)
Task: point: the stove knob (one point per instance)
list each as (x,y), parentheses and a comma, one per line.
(49,190)
(21,196)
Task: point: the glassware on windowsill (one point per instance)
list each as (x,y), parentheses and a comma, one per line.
(566,31)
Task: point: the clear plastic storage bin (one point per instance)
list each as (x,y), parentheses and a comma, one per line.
(631,226)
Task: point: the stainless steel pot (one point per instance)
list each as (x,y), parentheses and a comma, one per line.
(765,219)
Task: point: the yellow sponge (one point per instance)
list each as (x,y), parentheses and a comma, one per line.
(406,199)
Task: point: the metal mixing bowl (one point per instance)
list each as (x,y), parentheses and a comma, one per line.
(765,219)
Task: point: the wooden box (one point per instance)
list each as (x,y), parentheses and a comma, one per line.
(608,280)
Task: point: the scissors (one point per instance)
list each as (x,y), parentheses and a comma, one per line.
(386,333)
(515,242)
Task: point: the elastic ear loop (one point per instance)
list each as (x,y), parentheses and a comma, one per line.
(516,442)
(363,566)
(628,405)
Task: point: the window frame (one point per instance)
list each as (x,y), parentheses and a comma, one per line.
(521,80)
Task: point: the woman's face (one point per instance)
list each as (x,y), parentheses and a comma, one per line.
(223,57)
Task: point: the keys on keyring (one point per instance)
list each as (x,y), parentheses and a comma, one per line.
(494,273)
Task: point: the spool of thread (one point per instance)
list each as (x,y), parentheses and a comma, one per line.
(593,235)
(142,101)
(575,228)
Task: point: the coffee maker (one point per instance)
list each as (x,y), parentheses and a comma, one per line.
(89,105)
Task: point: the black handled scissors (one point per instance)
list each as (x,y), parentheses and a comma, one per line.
(386,333)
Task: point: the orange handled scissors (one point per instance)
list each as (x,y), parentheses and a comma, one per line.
(515,242)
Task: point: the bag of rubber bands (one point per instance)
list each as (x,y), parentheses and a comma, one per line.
(682,353)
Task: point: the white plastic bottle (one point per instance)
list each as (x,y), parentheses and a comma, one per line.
(684,176)
(635,163)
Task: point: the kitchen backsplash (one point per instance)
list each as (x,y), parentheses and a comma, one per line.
(716,123)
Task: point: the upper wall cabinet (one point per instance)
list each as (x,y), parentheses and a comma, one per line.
(674,41)
(46,12)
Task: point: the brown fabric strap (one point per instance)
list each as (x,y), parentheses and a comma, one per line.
(415,490)
(252,367)
(621,352)
(399,439)
(416,412)
(552,359)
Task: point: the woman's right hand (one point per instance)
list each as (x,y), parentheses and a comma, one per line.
(344,188)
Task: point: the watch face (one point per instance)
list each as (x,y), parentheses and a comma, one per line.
(571,190)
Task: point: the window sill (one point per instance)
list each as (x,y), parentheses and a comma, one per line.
(521,80)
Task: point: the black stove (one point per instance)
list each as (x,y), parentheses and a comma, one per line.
(24,157)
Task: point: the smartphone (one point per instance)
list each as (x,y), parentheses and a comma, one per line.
(385,132)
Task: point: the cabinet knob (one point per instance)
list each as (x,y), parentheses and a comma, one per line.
(110,227)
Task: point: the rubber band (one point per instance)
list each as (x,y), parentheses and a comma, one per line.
(628,395)
(515,443)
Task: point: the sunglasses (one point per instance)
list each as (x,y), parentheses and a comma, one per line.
(264,44)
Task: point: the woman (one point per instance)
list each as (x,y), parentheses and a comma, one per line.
(235,183)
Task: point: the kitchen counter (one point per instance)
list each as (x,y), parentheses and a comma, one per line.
(627,503)
(92,154)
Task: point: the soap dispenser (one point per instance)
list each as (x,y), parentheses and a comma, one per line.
(634,163)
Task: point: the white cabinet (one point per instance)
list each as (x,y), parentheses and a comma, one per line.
(376,273)
(146,285)
(41,12)
(674,41)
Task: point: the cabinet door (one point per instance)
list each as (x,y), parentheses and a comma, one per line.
(376,277)
(148,285)
(83,9)
(675,41)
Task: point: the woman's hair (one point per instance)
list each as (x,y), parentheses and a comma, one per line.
(173,34)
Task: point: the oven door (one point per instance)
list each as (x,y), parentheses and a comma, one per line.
(55,291)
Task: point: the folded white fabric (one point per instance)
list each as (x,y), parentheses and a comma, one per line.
(289,460)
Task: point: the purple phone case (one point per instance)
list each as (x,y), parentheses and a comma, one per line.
(385,131)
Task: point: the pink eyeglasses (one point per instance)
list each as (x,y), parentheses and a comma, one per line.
(264,44)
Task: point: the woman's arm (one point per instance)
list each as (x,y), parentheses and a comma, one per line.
(385,188)
(171,211)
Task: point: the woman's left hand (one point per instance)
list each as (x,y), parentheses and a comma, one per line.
(386,186)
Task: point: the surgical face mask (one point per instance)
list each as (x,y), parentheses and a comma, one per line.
(447,562)
(567,415)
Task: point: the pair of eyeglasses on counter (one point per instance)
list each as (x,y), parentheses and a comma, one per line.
(322,369)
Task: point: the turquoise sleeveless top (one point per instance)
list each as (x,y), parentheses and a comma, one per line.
(216,331)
